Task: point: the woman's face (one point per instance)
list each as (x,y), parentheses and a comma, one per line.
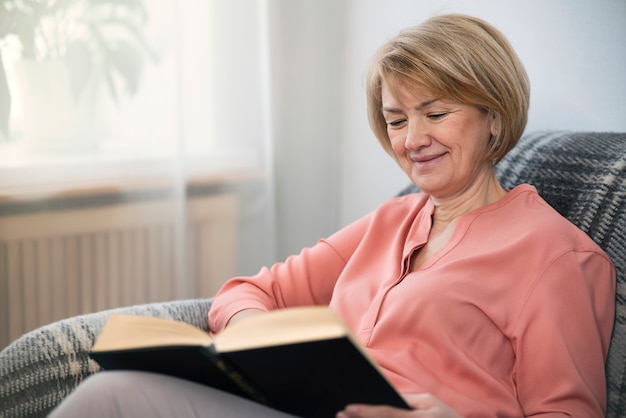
(440,144)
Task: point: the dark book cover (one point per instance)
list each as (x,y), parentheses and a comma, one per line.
(186,362)
(315,379)
(301,361)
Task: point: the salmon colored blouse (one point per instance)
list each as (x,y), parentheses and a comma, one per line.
(513,317)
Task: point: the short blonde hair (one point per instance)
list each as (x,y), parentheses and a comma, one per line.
(457,57)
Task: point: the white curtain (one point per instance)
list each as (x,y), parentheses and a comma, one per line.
(110,198)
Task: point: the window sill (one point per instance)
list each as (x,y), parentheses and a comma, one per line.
(25,176)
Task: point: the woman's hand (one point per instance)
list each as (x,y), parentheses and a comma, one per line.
(423,405)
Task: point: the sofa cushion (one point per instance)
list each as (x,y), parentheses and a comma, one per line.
(42,367)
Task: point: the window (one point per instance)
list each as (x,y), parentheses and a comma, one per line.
(172,79)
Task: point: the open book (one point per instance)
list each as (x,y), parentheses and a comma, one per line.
(303,361)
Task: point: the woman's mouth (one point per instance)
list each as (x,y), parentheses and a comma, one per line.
(426,159)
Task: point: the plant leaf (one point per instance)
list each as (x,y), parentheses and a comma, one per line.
(124,59)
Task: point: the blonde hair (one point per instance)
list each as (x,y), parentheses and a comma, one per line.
(457,57)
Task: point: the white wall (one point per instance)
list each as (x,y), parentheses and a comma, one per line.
(574,52)
(306,51)
(330,169)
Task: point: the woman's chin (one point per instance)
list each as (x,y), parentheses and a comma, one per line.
(427,185)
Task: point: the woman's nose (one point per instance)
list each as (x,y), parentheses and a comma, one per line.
(416,136)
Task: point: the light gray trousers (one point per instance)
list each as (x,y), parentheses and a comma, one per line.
(139,394)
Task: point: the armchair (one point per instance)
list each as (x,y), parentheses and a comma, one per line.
(581,174)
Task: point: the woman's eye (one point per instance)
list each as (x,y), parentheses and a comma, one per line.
(396,123)
(436,116)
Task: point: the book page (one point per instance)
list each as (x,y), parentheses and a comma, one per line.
(284,326)
(125,332)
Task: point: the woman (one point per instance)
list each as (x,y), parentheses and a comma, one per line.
(476,301)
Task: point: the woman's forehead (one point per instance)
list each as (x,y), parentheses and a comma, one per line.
(401,92)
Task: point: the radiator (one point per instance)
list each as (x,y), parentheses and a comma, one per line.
(63,263)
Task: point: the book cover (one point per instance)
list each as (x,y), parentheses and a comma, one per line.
(303,361)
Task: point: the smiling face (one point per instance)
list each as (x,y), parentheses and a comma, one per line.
(440,144)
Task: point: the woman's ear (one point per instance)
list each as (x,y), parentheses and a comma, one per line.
(494,123)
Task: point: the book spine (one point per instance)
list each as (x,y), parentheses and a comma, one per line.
(238,378)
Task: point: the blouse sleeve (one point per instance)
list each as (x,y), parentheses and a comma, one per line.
(304,279)
(562,337)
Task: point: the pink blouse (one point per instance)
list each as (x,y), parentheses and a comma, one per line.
(512,317)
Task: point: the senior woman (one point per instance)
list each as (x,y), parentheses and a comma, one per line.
(475,301)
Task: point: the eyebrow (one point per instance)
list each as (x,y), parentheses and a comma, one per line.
(421,106)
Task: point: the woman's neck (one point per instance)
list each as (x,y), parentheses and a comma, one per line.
(482,192)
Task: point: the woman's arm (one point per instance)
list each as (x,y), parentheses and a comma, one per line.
(306,279)
(562,337)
